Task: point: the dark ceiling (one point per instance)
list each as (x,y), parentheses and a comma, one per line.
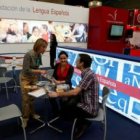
(127,4)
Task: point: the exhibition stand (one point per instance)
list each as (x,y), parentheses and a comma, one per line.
(103,38)
(118,72)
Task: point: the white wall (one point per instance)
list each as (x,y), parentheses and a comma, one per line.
(34,10)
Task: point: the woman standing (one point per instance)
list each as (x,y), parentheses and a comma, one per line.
(29,76)
(53,45)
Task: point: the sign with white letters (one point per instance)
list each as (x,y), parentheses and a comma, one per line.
(121,76)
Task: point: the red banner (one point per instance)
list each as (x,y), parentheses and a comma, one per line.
(131,17)
(136,17)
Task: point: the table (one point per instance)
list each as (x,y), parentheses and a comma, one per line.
(41,89)
(37,93)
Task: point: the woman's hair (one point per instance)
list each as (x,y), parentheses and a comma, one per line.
(53,37)
(40,43)
(61,53)
(86,59)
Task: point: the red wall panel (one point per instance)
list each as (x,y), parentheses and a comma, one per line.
(100,20)
(135,52)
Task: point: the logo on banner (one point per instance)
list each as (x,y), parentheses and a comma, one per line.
(113,16)
(138,18)
(131,17)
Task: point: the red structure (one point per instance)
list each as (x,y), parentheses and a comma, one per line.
(101,21)
(134,52)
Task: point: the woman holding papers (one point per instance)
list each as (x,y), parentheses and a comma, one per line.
(29,76)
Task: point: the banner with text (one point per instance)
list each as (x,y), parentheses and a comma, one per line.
(23,22)
(121,76)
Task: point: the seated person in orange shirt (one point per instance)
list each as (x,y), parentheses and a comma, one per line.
(63,72)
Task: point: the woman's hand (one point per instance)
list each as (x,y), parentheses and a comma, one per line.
(58,82)
(53,94)
(54,81)
(32,87)
(43,72)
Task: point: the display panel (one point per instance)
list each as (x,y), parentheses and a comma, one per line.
(116,31)
(121,76)
(28,31)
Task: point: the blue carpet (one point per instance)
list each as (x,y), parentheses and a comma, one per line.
(118,127)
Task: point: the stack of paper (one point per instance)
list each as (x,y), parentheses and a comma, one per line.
(38,93)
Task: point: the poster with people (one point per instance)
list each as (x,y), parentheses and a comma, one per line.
(28,31)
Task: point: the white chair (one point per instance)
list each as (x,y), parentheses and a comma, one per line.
(10,112)
(101,117)
(5,80)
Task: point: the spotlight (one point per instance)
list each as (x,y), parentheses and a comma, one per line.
(94,3)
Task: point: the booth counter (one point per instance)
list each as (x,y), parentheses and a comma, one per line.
(119,72)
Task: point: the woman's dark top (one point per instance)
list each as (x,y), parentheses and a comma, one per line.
(53,45)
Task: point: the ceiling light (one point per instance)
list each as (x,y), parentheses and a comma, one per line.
(95,3)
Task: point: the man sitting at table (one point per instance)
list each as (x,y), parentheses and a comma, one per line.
(87,106)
